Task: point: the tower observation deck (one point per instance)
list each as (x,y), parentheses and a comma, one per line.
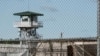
(28,24)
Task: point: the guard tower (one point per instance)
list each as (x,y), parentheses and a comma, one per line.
(28,25)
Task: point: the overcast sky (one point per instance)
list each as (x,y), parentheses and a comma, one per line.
(73,18)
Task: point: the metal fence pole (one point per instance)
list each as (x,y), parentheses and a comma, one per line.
(98,27)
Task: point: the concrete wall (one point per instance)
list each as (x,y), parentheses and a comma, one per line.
(67,49)
(51,49)
(12,49)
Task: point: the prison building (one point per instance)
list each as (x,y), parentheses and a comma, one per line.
(51,47)
(30,42)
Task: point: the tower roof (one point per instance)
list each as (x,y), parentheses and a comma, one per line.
(27,13)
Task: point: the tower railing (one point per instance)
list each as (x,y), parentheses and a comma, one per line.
(28,24)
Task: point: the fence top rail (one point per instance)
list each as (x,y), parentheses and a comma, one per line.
(88,39)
